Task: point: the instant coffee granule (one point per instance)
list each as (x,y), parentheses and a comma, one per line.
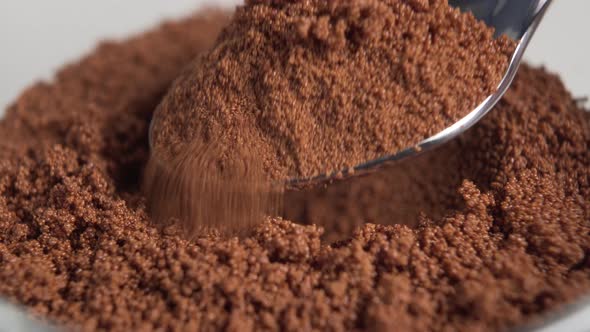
(320,86)
(498,235)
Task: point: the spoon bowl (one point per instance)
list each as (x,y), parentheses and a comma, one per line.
(516,19)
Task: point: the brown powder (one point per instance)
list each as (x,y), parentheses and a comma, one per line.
(193,192)
(317,86)
(504,236)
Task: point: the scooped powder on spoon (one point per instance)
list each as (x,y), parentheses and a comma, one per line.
(319,86)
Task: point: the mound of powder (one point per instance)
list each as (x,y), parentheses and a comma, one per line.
(498,235)
(320,86)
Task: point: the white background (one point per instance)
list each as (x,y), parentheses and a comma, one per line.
(39,36)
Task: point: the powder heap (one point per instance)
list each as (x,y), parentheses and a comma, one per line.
(503,236)
(319,86)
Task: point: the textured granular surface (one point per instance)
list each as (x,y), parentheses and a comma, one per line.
(503,237)
(320,86)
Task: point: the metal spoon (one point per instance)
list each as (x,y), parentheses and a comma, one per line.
(517,19)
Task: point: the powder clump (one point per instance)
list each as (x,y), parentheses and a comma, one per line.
(321,86)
